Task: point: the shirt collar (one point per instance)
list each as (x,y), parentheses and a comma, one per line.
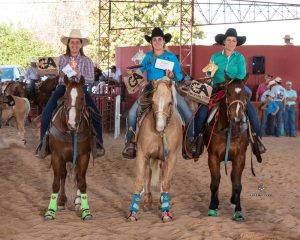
(234,53)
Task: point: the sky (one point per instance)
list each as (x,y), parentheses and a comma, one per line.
(267,33)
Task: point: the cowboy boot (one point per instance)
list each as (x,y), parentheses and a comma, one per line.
(42,149)
(129,151)
(100,151)
(199,146)
(257,147)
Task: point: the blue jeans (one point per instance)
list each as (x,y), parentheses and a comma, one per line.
(182,106)
(270,125)
(52,104)
(32,90)
(279,120)
(202,114)
(289,121)
(264,122)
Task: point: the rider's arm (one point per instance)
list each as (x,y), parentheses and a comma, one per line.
(177,70)
(241,67)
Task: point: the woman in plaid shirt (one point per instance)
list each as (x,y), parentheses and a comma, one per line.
(81,66)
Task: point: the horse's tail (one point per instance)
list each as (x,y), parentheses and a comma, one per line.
(155,169)
(27,106)
(71,184)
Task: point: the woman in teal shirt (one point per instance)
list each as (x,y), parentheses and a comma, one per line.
(233,63)
(158,42)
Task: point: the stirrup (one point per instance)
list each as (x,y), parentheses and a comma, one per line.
(129,151)
(42,149)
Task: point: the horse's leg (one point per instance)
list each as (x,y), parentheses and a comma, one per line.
(20,126)
(139,183)
(236,174)
(214,167)
(52,207)
(168,171)
(82,164)
(62,198)
(148,195)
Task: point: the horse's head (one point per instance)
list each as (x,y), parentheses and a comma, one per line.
(235,98)
(163,101)
(74,102)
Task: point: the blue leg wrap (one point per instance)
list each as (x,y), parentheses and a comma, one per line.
(134,207)
(165,202)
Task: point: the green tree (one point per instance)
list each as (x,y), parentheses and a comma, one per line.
(137,19)
(18,46)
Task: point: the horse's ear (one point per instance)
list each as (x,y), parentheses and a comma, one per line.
(82,81)
(154,84)
(246,78)
(66,80)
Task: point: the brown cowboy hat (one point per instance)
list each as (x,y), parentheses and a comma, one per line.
(157,32)
(75,33)
(231,32)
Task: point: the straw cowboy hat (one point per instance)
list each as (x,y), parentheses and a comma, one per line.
(278,79)
(271,83)
(157,32)
(231,32)
(287,37)
(75,33)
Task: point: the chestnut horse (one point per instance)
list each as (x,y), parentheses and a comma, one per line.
(15,88)
(70,141)
(228,130)
(158,143)
(44,90)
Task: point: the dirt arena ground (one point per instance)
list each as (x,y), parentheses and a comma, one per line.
(271,213)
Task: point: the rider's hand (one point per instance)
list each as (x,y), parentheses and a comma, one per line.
(129,71)
(169,74)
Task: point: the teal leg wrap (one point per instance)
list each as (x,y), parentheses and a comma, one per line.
(134,207)
(165,202)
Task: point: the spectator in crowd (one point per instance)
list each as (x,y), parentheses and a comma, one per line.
(263,87)
(278,93)
(114,75)
(290,109)
(32,75)
(264,100)
(287,40)
(272,109)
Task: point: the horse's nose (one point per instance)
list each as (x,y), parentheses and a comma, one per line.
(160,128)
(237,119)
(72,125)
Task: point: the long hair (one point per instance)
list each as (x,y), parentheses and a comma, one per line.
(68,51)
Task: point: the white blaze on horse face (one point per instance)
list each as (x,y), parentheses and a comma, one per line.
(237,109)
(237,90)
(160,121)
(72,112)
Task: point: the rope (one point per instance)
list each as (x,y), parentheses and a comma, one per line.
(75,148)
(227,148)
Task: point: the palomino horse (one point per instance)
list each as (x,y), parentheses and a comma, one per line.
(15,108)
(228,126)
(158,143)
(70,140)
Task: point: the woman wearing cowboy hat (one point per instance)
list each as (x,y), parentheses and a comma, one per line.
(82,66)
(234,64)
(158,42)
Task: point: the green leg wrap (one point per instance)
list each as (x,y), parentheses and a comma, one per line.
(52,208)
(238,216)
(85,208)
(212,213)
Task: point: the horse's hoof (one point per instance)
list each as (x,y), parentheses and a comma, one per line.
(132,217)
(238,216)
(166,216)
(50,215)
(86,214)
(212,213)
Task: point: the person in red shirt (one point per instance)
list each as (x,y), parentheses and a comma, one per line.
(263,87)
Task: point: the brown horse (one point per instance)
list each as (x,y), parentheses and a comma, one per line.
(44,90)
(70,140)
(229,119)
(15,88)
(158,143)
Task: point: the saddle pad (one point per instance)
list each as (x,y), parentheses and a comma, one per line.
(134,81)
(200,92)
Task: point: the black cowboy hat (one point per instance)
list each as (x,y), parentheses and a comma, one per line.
(231,32)
(157,32)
